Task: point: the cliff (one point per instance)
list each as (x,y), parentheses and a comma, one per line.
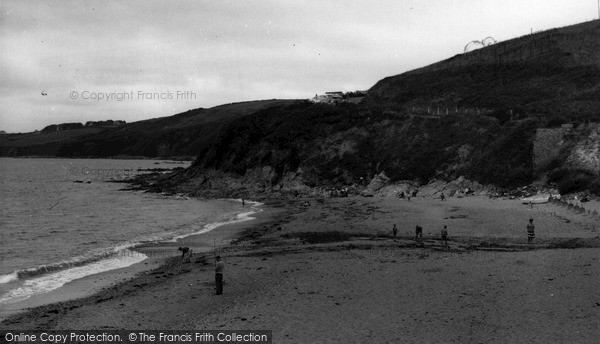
(570,156)
(586,153)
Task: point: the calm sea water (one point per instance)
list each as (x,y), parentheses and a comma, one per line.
(61,220)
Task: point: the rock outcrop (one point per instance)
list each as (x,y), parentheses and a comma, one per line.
(586,153)
(459,187)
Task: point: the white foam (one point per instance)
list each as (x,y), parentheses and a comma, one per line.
(9,278)
(238,218)
(46,283)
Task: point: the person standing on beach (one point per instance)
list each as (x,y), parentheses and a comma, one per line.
(418,233)
(395,230)
(442,196)
(530,231)
(445,235)
(243,202)
(219,268)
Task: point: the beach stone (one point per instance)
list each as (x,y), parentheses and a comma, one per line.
(395,189)
(432,189)
(452,186)
(378,182)
(367,193)
(476,187)
(486,190)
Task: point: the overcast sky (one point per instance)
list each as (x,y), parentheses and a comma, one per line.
(58,57)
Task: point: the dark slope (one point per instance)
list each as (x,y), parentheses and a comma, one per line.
(552,73)
(323,145)
(40,143)
(177,135)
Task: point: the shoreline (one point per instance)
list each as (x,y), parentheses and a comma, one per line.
(156,255)
(293,272)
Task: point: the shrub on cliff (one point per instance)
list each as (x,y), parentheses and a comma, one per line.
(347,144)
(570,180)
(507,160)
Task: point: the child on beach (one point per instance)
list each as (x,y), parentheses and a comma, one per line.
(219,268)
(418,233)
(530,231)
(445,235)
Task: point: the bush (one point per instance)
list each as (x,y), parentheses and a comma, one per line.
(574,180)
(594,186)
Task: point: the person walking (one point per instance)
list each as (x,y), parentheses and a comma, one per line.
(219,268)
(530,231)
(395,230)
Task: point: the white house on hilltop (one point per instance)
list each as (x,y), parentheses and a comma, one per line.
(338,97)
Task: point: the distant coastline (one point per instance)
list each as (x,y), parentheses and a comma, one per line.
(117,157)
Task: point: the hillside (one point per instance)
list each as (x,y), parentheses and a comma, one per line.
(177,135)
(553,73)
(475,115)
(310,145)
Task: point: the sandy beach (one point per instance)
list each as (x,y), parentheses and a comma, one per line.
(329,270)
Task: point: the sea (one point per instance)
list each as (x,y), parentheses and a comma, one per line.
(64,219)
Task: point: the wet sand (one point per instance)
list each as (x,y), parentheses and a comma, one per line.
(487,286)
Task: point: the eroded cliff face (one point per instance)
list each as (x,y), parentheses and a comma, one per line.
(586,153)
(580,146)
(547,145)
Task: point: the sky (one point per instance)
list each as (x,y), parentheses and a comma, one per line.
(79,61)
